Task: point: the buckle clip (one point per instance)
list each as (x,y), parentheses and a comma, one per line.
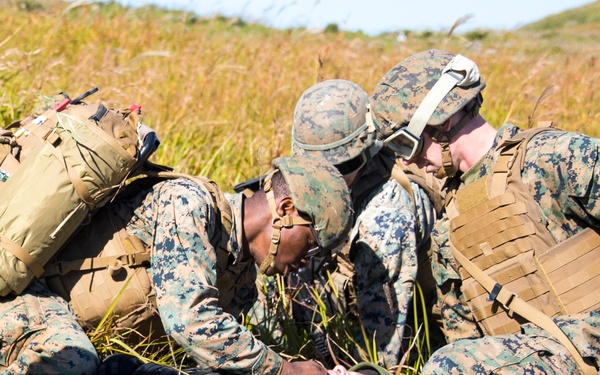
(494,293)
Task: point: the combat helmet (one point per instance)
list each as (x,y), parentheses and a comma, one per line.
(332,120)
(321,197)
(425,89)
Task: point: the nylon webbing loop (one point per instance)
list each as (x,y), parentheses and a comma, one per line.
(499,238)
(504,202)
(22,255)
(502,170)
(76,180)
(486,218)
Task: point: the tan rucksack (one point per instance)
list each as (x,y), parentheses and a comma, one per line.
(59,166)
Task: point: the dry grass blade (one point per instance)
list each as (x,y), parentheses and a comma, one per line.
(545,93)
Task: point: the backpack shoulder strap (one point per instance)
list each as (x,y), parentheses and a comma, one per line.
(426,181)
(404,174)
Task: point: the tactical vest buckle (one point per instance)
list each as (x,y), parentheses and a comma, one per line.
(494,293)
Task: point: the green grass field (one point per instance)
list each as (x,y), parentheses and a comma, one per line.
(221,93)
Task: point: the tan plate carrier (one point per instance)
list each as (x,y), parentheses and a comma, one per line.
(510,263)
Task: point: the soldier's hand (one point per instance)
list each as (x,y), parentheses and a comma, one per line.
(304,368)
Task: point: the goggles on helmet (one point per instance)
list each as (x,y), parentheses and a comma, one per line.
(404,143)
(407,142)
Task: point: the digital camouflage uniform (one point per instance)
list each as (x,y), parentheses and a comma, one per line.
(561,170)
(331,120)
(198,303)
(40,335)
(179,220)
(385,242)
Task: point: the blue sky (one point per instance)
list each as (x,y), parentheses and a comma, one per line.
(375,16)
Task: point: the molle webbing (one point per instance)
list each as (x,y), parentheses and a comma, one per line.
(573,272)
(497,226)
(103,266)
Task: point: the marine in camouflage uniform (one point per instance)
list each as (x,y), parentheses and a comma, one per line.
(560,170)
(199,299)
(332,120)
(40,335)
(306,206)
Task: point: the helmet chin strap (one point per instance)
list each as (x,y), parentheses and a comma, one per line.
(444,138)
(447,169)
(278,223)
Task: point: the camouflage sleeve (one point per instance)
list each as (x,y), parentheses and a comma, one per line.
(184,278)
(457,320)
(563,167)
(386,267)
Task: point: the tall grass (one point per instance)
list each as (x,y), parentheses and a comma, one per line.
(221,94)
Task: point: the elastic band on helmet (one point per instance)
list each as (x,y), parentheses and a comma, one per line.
(331,145)
(460,71)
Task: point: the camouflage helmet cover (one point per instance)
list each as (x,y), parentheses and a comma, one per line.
(330,120)
(319,191)
(401,90)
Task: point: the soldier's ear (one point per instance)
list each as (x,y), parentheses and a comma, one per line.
(285,206)
(453,120)
(447,125)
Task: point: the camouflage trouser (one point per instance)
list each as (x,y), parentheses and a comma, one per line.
(40,335)
(510,354)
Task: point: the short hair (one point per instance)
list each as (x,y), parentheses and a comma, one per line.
(279,186)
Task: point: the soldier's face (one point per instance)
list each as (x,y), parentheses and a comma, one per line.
(295,245)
